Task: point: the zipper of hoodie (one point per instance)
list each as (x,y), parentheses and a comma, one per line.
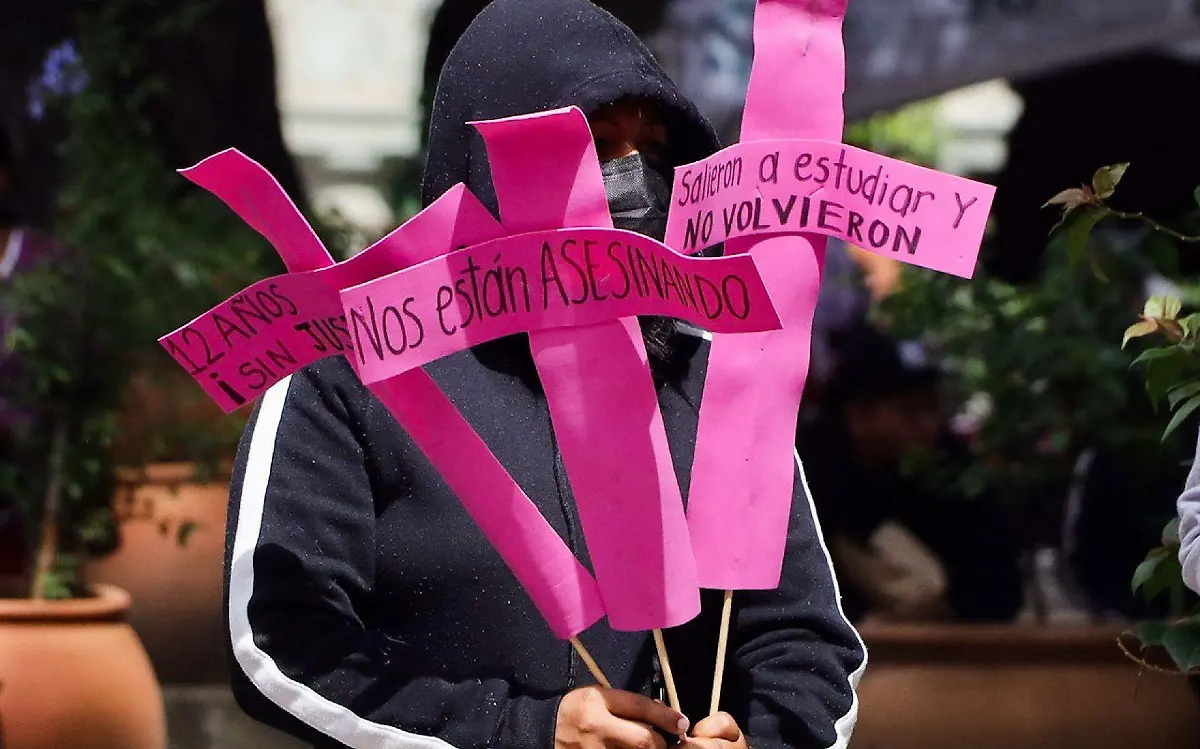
(573,525)
(658,685)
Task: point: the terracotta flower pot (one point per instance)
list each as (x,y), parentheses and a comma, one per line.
(945,686)
(74,676)
(177,601)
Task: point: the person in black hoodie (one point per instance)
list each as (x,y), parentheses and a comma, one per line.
(909,545)
(365,607)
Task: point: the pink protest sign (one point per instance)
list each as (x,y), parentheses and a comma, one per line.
(743,472)
(282,324)
(254,339)
(560,587)
(543,280)
(598,387)
(890,207)
(743,469)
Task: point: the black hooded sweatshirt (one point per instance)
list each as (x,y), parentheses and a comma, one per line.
(365,607)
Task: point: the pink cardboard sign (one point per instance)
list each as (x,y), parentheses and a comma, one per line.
(254,339)
(743,469)
(890,207)
(282,324)
(602,400)
(542,280)
(558,584)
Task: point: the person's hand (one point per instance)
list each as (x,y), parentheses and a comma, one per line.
(596,718)
(718,731)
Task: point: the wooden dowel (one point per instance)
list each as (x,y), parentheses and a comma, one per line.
(722,644)
(591,664)
(672,694)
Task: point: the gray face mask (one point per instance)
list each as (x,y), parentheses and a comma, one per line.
(638,196)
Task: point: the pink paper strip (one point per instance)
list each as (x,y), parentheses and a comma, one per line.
(256,196)
(282,324)
(560,587)
(254,339)
(542,280)
(743,469)
(598,386)
(558,584)
(892,208)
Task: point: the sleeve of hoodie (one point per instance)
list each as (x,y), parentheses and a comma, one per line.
(1189,526)
(795,659)
(300,557)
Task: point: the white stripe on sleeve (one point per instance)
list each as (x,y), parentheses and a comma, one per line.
(326,716)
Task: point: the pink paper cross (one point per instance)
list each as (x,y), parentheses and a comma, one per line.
(598,386)
(565,286)
(600,393)
(562,589)
(778,195)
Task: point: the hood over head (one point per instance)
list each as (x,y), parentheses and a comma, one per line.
(525,56)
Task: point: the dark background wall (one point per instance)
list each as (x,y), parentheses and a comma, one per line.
(220,89)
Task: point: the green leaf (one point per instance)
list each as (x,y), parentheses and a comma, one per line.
(1178,591)
(1150,634)
(1170,534)
(1190,324)
(1106,179)
(185,531)
(1097,270)
(1162,375)
(1151,354)
(1138,330)
(1079,232)
(1146,573)
(1197,195)
(1181,415)
(56,587)
(1183,392)
(1182,642)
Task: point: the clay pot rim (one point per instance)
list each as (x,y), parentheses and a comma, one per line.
(168,472)
(1006,643)
(108,604)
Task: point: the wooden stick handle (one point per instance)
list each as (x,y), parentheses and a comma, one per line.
(722,644)
(672,694)
(591,664)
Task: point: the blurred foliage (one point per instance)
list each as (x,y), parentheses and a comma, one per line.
(144,251)
(1171,369)
(402,185)
(1040,356)
(1044,357)
(911,133)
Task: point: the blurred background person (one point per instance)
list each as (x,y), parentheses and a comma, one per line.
(903,548)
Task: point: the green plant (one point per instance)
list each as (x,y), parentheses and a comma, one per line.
(911,133)
(1038,357)
(141,251)
(1172,376)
